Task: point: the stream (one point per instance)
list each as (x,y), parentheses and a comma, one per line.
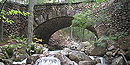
(52,60)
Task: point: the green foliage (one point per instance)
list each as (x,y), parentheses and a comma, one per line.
(104,40)
(78,34)
(116,35)
(11,12)
(13,50)
(89,16)
(22,39)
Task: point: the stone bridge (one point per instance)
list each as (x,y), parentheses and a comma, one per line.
(48,18)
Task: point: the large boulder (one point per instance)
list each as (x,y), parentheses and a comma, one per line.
(65,60)
(100,47)
(79,56)
(98,51)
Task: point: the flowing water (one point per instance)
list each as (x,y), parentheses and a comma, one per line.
(51,60)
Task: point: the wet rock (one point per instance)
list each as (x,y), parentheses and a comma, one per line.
(118,61)
(1,63)
(87,62)
(78,56)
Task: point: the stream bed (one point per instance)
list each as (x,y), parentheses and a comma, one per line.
(53,60)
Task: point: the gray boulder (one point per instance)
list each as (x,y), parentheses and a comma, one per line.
(79,56)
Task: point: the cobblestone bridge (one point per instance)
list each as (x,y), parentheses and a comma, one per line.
(48,18)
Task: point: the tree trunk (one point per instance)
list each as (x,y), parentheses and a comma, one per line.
(1,30)
(30,21)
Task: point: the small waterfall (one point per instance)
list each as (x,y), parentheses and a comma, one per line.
(50,60)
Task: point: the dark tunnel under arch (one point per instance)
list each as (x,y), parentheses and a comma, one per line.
(49,27)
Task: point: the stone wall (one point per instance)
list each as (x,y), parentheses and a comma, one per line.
(120,19)
(121,16)
(120,23)
(20,22)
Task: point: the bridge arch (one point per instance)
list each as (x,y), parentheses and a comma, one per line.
(49,27)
